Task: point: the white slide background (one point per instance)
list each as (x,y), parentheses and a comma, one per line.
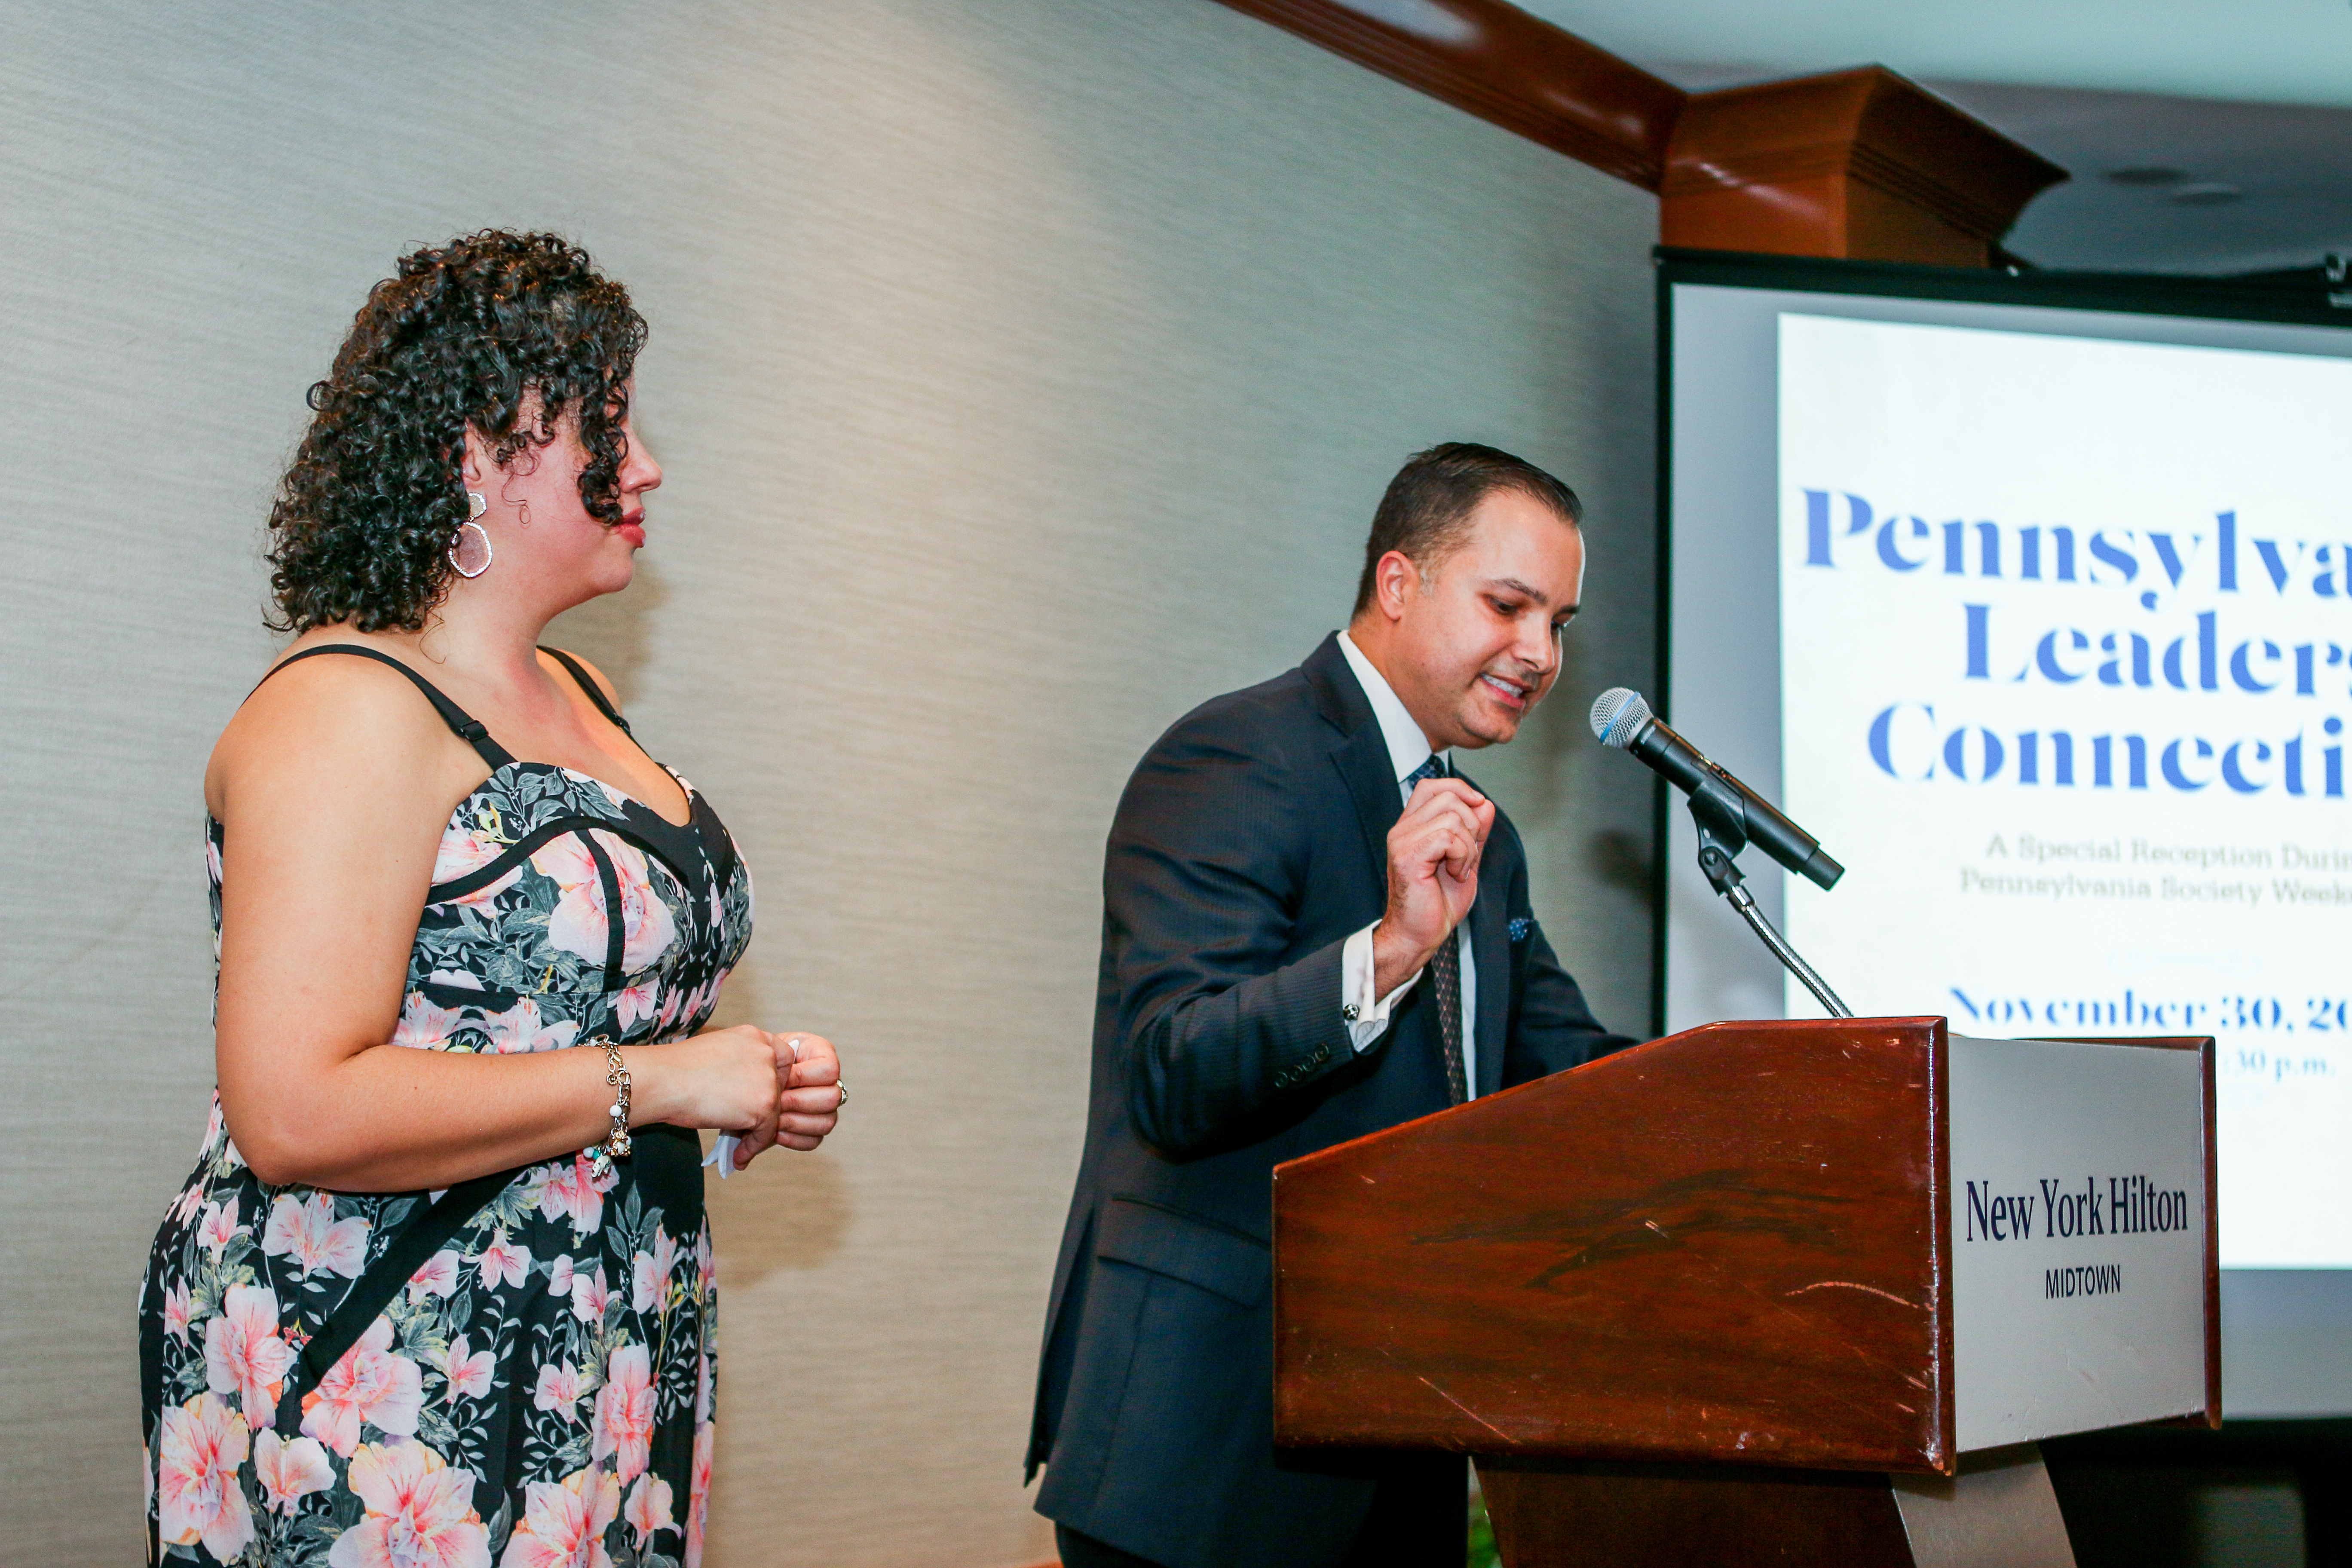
(2207,891)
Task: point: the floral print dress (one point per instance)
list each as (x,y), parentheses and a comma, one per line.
(538,1391)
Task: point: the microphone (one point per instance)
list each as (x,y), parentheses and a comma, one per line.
(1622,718)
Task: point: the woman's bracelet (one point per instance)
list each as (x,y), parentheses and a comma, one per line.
(615,1145)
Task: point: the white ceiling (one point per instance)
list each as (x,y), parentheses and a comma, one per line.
(2253,96)
(2262,51)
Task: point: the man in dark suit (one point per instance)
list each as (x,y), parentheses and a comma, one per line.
(1311,930)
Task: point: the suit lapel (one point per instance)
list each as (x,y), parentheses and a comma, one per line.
(1359,752)
(1377,803)
(1361,755)
(1490,950)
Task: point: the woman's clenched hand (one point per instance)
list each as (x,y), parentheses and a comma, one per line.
(808,1073)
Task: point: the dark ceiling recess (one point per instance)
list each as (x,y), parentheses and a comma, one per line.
(1862,165)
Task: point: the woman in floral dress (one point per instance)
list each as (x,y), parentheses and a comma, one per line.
(421,1301)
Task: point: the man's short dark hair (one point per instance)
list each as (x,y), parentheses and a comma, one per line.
(1426,513)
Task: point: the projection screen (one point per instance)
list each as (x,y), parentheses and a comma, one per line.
(2031,597)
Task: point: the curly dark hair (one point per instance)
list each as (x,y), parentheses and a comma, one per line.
(464,333)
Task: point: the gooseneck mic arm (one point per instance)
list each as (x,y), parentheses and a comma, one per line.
(1728,884)
(1729,816)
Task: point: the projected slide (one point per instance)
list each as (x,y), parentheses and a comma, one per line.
(2066,668)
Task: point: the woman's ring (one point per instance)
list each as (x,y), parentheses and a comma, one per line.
(844,1094)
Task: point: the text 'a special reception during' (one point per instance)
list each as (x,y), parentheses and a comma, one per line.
(1568,780)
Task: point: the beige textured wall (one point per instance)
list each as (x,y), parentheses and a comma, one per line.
(1025,372)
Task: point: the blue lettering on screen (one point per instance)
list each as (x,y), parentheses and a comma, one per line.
(2271,730)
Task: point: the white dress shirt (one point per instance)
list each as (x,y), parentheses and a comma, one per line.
(1408,750)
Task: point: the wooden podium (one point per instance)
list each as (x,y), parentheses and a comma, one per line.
(1777,1292)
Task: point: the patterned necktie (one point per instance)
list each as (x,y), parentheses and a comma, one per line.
(1446,974)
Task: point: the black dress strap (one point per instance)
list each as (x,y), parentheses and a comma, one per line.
(719,857)
(467,728)
(587,684)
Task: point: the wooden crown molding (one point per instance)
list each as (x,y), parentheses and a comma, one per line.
(1493,60)
(1859,164)
(1862,165)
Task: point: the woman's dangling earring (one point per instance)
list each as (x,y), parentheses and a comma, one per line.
(471,554)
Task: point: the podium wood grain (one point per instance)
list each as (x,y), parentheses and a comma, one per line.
(1725,1246)
(1573,1514)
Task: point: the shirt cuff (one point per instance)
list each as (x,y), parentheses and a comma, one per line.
(1366,1015)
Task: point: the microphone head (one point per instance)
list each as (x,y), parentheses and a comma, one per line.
(1619,714)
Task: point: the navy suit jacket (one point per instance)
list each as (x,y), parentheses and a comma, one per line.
(1250,843)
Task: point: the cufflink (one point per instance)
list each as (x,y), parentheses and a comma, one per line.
(1351,1012)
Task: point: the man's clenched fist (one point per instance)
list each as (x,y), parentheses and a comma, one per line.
(1433,853)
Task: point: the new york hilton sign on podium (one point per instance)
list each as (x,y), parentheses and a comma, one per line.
(1764,1290)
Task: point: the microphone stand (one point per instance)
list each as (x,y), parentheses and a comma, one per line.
(1722,835)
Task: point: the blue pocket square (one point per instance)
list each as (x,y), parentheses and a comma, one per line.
(1522,928)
